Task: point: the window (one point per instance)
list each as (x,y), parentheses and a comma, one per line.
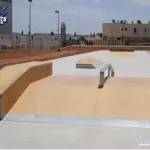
(125,29)
(135,30)
(145,29)
(122,29)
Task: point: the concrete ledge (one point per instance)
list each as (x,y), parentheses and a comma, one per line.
(123,49)
(88,63)
(85,66)
(11,94)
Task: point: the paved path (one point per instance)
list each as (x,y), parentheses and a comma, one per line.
(33,135)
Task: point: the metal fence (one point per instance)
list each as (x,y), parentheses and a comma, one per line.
(15,43)
(109,42)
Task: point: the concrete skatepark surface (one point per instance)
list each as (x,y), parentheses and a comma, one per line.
(32,135)
(75,96)
(124,97)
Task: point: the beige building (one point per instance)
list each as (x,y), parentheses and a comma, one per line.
(126,30)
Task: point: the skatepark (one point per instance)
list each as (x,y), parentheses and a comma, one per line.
(56,91)
(74,92)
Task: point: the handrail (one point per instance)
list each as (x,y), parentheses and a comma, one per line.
(102,76)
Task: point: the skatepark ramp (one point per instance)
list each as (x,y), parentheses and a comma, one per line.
(102,74)
(88,63)
(15,79)
(78,97)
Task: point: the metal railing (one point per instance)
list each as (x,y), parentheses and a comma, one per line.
(109,42)
(102,74)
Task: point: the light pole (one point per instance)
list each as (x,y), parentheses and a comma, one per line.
(57,12)
(30,1)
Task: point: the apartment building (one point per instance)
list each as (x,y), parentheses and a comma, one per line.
(133,30)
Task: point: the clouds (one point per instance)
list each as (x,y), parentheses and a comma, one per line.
(97,1)
(81,16)
(141,2)
(45,2)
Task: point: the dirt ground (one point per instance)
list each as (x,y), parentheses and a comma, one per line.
(10,58)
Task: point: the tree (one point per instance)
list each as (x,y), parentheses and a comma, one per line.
(101,35)
(94,35)
(75,34)
(22,32)
(52,33)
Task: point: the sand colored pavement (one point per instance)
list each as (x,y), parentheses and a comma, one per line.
(121,54)
(78,96)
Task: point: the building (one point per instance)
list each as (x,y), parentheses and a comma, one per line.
(63,32)
(133,30)
(6,5)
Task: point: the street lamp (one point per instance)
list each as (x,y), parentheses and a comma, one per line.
(57,12)
(30,1)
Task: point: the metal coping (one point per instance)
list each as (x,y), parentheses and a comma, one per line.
(77,120)
(85,66)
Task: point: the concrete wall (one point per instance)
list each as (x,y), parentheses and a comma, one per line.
(7,27)
(9,97)
(115,30)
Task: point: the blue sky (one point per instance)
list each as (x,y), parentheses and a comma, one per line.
(81,16)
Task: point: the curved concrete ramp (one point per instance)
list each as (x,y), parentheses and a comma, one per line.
(15,79)
(79,96)
(89,63)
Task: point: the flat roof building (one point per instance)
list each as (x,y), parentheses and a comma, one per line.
(134,30)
